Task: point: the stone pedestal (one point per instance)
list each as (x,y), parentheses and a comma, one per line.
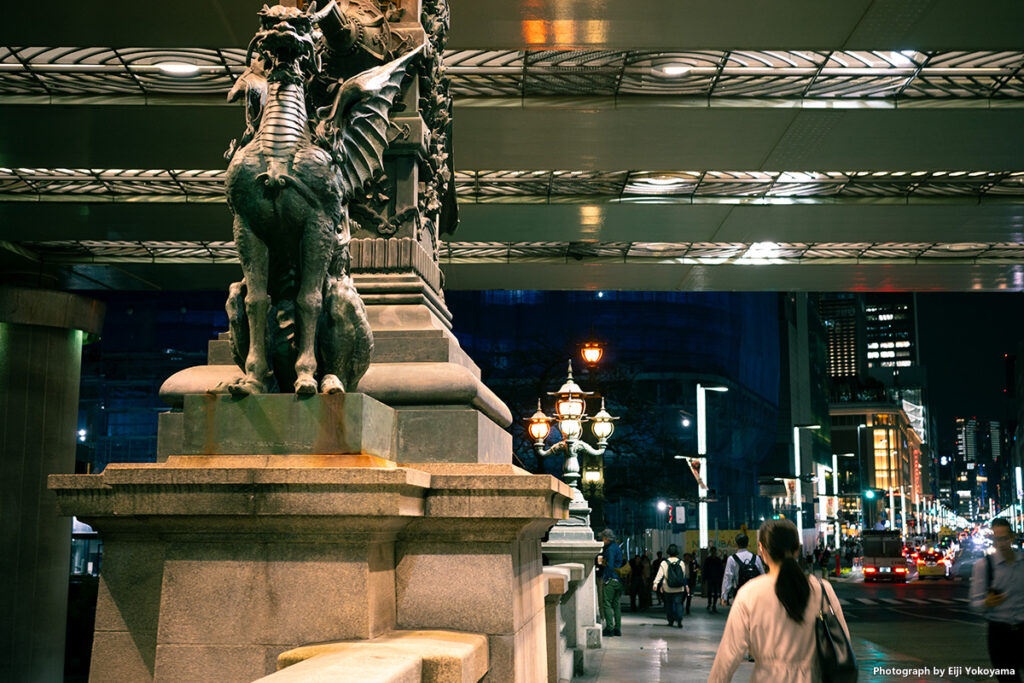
(572,541)
(216,563)
(41,336)
(443,412)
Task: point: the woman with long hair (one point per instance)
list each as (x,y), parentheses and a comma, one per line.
(773,615)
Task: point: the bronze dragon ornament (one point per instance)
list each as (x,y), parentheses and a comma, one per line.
(296,317)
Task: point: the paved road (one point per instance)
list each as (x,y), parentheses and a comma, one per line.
(923,624)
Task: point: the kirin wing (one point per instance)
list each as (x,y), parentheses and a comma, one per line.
(252,84)
(360,111)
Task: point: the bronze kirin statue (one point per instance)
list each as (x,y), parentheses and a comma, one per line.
(307,150)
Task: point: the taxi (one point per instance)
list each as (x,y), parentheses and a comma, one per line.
(934,564)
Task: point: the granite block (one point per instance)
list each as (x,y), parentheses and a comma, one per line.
(454,586)
(519,657)
(343,667)
(501,652)
(450,434)
(128,596)
(170,434)
(276,593)
(283,424)
(447,656)
(210,595)
(122,657)
(218,352)
(205,663)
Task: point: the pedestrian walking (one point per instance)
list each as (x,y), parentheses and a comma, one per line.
(645,587)
(740,568)
(636,581)
(774,615)
(611,560)
(654,570)
(997,592)
(691,579)
(671,580)
(714,571)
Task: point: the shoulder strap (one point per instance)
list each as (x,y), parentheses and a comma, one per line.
(988,571)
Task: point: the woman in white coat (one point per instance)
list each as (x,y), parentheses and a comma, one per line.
(773,615)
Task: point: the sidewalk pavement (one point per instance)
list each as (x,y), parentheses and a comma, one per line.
(651,651)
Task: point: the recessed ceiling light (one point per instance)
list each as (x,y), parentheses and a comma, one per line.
(675,69)
(178,68)
(662,180)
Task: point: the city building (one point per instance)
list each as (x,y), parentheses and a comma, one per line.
(879,457)
(842,314)
(890,330)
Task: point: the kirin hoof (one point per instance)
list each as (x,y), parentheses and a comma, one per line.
(305,385)
(330,384)
(246,387)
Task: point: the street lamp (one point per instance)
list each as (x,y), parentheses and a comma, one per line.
(592,352)
(860,477)
(800,485)
(570,413)
(702,450)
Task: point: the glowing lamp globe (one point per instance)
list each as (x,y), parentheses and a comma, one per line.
(602,424)
(592,353)
(571,429)
(592,476)
(539,425)
(569,407)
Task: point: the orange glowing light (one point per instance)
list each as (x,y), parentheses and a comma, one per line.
(592,353)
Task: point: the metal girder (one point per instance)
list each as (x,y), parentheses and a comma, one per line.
(725,24)
(816,278)
(746,223)
(875,78)
(583,275)
(603,136)
(835,188)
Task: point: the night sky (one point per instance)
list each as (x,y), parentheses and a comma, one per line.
(963,338)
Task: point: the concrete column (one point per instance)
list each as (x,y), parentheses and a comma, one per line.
(41,336)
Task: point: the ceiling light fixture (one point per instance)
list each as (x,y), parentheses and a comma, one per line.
(662,180)
(178,68)
(675,69)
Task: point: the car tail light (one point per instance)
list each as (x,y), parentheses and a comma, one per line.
(901,570)
(870,570)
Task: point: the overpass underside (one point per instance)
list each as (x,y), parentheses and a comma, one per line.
(734,146)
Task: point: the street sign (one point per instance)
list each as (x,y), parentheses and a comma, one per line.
(680,515)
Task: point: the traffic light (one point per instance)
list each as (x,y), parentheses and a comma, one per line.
(869,494)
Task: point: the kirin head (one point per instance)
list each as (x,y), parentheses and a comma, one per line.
(285,41)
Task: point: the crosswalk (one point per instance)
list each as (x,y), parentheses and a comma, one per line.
(856,602)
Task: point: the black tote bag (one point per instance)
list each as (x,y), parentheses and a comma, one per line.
(836,661)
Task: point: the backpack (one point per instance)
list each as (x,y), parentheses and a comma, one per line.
(748,570)
(674,576)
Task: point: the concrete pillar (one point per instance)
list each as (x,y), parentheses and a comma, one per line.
(41,336)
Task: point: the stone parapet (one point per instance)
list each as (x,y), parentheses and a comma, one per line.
(572,547)
(212,571)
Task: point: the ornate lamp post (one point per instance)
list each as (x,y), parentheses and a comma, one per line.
(570,413)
